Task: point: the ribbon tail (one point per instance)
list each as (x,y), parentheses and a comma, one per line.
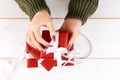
(68,61)
(14,65)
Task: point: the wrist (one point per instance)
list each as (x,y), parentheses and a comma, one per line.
(41,14)
(71,25)
(73,21)
(40,18)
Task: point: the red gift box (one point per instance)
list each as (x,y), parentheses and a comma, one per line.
(48,61)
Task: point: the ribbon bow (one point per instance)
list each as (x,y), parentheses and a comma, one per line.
(58,52)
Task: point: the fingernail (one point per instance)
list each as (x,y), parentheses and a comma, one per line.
(42,51)
(65,54)
(37,49)
(49,45)
(69,47)
(54,38)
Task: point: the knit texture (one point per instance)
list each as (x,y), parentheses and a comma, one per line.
(77,9)
(81,9)
(31,7)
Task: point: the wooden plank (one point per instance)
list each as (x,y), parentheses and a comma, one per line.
(106,9)
(104,37)
(93,69)
(102,33)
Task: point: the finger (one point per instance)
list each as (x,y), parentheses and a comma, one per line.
(72,39)
(40,39)
(52,31)
(34,42)
(28,41)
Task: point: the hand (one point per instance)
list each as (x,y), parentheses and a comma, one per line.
(33,36)
(72,26)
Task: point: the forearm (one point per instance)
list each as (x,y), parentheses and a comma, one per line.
(81,9)
(31,7)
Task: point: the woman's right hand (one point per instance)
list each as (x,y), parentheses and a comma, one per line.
(33,36)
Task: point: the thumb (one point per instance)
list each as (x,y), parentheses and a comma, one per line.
(52,32)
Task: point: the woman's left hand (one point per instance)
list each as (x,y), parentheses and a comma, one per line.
(72,26)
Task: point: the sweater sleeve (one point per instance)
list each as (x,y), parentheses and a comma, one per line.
(31,7)
(81,9)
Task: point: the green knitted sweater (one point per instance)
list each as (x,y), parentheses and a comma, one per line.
(77,9)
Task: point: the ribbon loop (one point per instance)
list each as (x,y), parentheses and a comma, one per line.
(57,52)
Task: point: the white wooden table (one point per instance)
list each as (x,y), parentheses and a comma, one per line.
(103,29)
